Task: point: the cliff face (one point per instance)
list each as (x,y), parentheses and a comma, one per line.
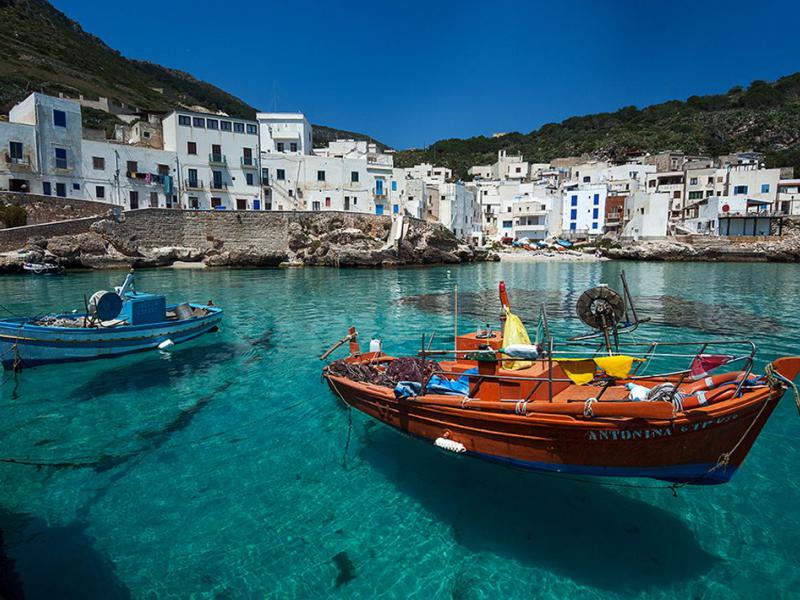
(160,237)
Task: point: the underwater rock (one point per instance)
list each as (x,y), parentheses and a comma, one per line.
(347,570)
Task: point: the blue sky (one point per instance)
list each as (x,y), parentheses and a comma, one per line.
(410,73)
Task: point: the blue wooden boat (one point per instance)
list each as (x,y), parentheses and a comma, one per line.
(113,324)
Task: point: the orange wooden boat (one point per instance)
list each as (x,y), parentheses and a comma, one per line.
(538,417)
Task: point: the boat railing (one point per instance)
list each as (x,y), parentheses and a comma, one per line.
(553,354)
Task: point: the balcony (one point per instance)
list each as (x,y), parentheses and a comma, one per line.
(218,185)
(218,160)
(18,162)
(193,184)
(265,181)
(249,162)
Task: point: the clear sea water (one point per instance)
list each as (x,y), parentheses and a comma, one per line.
(223,470)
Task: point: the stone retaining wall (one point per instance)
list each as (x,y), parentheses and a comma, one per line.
(48,209)
(17,237)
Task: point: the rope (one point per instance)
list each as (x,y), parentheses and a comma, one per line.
(773,377)
(587,408)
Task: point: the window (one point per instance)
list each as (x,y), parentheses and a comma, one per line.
(693,181)
(133,166)
(226,126)
(395,208)
(279,146)
(153,199)
(696,195)
(212,124)
(100,191)
(163,169)
(394,185)
(256,204)
(596,199)
(293,146)
(594,225)
(61,158)
(59,118)
(320,175)
(216,180)
(379,187)
(354,176)
(586,179)
(216,154)
(46,189)
(146,135)
(61,190)
(508,224)
(198,122)
(134,198)
(15,151)
(216,202)
(519,169)
(676,194)
(76,186)
(765,188)
(739,189)
(280,174)
(98,163)
(573,226)
(192,178)
(291,193)
(315,205)
(710,180)
(573,214)
(184,120)
(574,201)
(595,213)
(193,202)
(265,176)
(241,204)
(252,129)
(238,128)
(191,148)
(327,202)
(249,178)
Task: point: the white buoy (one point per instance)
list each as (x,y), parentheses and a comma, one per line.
(450,445)
(166,345)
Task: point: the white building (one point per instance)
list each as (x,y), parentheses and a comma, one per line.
(430,174)
(646,215)
(285,133)
(759,186)
(457,210)
(583,211)
(789,196)
(217,156)
(703,215)
(129,176)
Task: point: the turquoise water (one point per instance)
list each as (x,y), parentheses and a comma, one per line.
(224,470)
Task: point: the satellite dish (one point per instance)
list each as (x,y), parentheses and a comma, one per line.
(600,307)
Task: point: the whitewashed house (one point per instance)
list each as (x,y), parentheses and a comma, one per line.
(647,215)
(217,160)
(285,133)
(583,209)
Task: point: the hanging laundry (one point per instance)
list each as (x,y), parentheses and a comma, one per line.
(147,178)
(703,364)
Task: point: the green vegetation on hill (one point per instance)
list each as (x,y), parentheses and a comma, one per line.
(764,117)
(42,50)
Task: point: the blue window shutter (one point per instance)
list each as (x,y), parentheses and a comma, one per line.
(595,212)
(378,209)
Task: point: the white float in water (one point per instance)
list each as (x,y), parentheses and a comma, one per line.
(450,445)
(166,345)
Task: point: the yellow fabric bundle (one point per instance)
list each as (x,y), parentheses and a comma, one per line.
(514,332)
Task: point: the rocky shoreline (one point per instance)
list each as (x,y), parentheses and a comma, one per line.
(330,240)
(710,249)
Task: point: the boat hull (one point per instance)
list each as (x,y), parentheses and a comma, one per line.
(29,345)
(686,449)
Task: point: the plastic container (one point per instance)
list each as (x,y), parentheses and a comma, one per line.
(637,393)
(375,345)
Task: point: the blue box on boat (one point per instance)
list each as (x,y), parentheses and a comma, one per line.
(144,309)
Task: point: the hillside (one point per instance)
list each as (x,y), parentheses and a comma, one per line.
(41,49)
(764,116)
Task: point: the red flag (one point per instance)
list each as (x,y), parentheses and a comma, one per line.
(702,364)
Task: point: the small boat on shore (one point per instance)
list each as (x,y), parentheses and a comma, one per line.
(113,324)
(42,268)
(584,407)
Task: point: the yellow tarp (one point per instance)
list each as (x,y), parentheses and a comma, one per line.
(514,332)
(582,370)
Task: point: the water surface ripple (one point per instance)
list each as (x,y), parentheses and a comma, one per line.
(221,470)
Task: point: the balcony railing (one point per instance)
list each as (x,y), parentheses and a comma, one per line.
(249,162)
(217,159)
(193,184)
(219,185)
(23,162)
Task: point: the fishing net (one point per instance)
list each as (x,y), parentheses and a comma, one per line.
(400,369)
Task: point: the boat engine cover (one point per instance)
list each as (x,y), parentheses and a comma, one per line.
(104,305)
